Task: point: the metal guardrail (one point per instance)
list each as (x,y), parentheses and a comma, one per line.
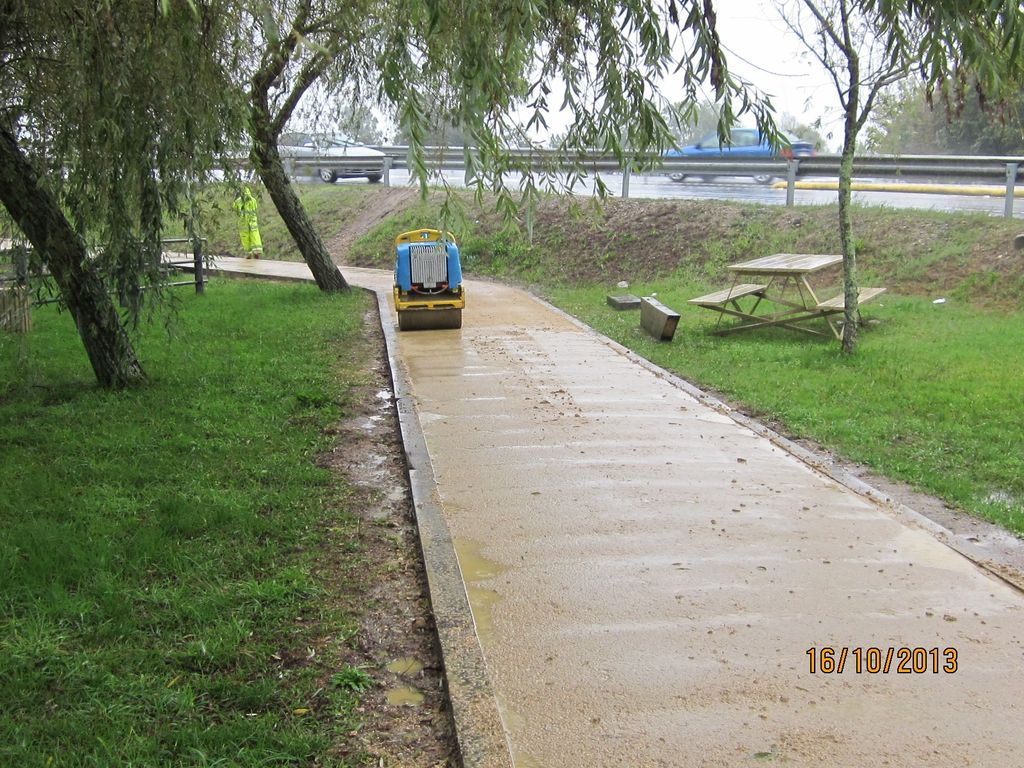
(957,169)
(934,168)
(454,158)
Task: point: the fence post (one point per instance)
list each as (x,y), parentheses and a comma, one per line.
(21,265)
(1011,181)
(625,181)
(15,309)
(387,171)
(791,168)
(197,263)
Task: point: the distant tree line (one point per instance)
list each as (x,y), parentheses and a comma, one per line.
(907,122)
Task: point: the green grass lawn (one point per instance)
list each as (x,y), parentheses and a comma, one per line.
(159,544)
(933,395)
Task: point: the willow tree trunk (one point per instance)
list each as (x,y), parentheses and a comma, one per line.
(38,214)
(271,170)
(851,291)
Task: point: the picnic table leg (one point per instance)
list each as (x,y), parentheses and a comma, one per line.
(738,311)
(810,292)
(804,307)
(832,324)
(814,304)
(769,323)
(735,281)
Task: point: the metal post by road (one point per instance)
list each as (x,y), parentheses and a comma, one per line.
(387,172)
(625,181)
(791,169)
(1011,181)
(197,263)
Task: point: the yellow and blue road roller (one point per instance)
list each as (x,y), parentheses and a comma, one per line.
(428,281)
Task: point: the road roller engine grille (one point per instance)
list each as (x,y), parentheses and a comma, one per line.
(429,266)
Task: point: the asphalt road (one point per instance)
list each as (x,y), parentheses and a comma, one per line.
(735,188)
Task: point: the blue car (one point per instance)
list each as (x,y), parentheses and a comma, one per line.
(744,142)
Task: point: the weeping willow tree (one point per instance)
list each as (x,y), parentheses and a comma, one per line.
(498,69)
(109,112)
(493,70)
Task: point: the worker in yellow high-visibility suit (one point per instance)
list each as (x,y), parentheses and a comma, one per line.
(248,224)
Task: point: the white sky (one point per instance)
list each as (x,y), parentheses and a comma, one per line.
(761,50)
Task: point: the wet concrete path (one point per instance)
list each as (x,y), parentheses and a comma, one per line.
(651,581)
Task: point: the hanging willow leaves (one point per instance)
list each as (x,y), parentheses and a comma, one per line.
(113,111)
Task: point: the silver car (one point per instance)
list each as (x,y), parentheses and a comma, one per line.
(332,157)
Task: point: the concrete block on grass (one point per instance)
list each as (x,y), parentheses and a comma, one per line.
(625,301)
(657,319)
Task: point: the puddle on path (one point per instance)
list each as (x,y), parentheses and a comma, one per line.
(370,424)
(407,666)
(404,697)
(475,568)
(515,723)
(482,601)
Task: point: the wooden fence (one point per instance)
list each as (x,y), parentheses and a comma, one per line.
(17,294)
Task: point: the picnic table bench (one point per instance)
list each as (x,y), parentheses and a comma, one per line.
(838,303)
(729,295)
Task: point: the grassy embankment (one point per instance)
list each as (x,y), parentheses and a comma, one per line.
(326,205)
(933,396)
(159,544)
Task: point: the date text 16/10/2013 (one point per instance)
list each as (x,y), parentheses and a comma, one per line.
(875,660)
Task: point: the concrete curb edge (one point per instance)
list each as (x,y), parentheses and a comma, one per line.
(479,733)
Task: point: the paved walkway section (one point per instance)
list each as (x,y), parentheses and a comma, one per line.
(654,584)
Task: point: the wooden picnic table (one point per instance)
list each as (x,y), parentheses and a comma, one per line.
(781,296)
